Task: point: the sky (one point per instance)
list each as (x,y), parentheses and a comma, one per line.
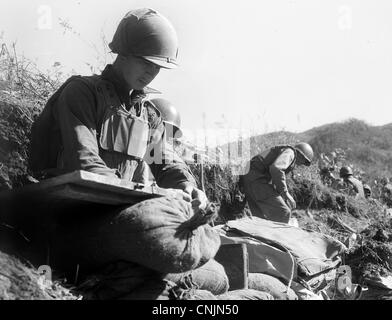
(258,66)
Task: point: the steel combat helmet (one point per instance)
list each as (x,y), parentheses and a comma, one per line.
(169,114)
(148,34)
(345,171)
(306,151)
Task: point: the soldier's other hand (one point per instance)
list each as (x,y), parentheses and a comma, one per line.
(179,194)
(199,198)
(289,200)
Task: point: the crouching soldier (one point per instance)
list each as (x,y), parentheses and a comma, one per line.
(101,123)
(386,191)
(349,184)
(265,185)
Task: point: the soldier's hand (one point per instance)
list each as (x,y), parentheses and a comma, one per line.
(179,194)
(289,200)
(199,198)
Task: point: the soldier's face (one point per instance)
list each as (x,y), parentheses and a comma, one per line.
(138,72)
(301,160)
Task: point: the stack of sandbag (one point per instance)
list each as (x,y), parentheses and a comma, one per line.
(210,277)
(282,256)
(162,234)
(129,281)
(235,261)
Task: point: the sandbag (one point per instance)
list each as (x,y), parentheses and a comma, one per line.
(211,277)
(314,252)
(271,285)
(196,294)
(163,234)
(245,294)
(304,293)
(262,258)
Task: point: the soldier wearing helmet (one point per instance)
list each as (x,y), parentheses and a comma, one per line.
(165,125)
(265,185)
(100,123)
(349,184)
(385,189)
(168,114)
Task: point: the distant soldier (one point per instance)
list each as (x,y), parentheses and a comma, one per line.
(386,186)
(386,191)
(348,183)
(265,185)
(165,124)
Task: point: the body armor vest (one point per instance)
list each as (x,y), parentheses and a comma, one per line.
(120,130)
(259,165)
(268,157)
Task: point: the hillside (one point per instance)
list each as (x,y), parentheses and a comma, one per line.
(367,148)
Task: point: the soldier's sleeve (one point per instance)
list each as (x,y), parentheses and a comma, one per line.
(357,186)
(278,176)
(169,170)
(76,114)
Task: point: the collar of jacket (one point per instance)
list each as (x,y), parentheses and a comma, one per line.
(121,90)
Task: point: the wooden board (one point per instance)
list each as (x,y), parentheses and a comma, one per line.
(87,187)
